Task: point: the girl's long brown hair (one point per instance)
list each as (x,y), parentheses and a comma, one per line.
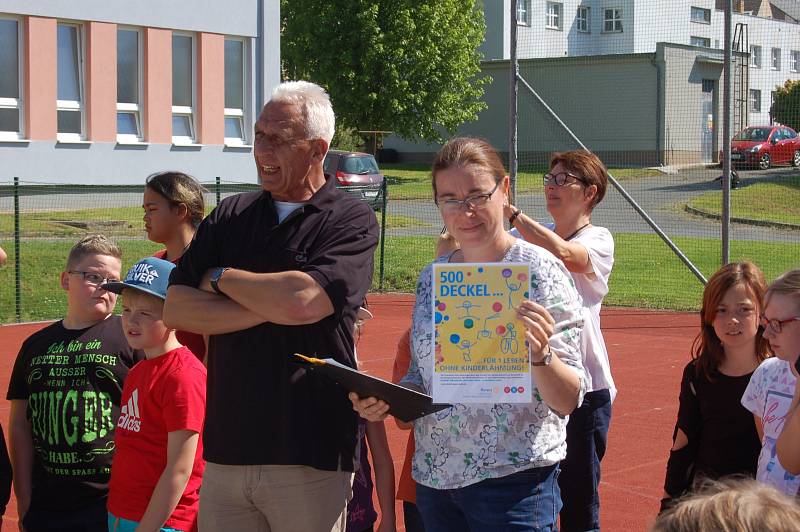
(707,350)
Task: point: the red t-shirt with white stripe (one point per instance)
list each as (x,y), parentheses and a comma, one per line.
(161,395)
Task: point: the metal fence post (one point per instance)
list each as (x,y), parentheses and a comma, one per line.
(383,230)
(17,274)
(217,188)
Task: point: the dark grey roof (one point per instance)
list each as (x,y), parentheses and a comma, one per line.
(788,7)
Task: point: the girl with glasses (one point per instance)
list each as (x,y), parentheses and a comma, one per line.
(486,467)
(772,393)
(714,434)
(573,187)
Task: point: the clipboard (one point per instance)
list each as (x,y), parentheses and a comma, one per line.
(404,404)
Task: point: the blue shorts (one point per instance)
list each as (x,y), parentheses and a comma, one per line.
(118,524)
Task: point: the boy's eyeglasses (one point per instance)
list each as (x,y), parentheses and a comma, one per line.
(93,278)
(776,325)
(561,179)
(473,203)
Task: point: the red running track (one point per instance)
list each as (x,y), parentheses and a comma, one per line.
(648,350)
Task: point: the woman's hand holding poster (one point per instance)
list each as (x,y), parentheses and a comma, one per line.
(481,353)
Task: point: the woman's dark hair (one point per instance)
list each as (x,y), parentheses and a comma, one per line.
(588,166)
(180,189)
(707,348)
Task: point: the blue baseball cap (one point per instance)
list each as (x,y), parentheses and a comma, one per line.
(149,275)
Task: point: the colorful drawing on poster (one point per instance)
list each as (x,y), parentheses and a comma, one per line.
(479,343)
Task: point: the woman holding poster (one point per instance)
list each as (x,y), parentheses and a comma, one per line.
(490,465)
(575,184)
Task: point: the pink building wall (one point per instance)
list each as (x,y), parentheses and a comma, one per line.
(40,56)
(40,67)
(157,86)
(211,88)
(101,81)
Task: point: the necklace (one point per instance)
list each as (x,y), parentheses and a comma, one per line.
(578,230)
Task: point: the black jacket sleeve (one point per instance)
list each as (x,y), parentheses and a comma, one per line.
(680,466)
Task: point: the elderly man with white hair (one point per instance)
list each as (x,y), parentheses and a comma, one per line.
(269,274)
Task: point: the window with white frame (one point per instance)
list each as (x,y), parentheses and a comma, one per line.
(129,122)
(612,20)
(553,16)
(755,56)
(182,89)
(795,61)
(10,119)
(583,19)
(755,101)
(524,12)
(70,83)
(776,59)
(701,15)
(235,83)
(700,41)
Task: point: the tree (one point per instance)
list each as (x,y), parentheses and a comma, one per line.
(407,66)
(786,105)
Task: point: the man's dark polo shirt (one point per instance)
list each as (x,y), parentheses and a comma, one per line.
(258,410)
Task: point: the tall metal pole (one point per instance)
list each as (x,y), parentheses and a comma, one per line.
(726,137)
(17,255)
(513,71)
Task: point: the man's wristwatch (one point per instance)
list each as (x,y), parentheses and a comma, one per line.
(513,217)
(214,280)
(546,360)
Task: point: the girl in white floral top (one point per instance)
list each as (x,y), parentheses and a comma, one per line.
(493,466)
(773,393)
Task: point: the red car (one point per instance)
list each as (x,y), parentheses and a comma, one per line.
(763,146)
(357,174)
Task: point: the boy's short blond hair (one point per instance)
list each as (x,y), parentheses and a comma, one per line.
(732,505)
(94,244)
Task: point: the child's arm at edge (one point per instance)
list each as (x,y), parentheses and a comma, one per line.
(181,449)
(384,474)
(21,448)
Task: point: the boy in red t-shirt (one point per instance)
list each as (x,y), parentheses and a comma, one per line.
(158,466)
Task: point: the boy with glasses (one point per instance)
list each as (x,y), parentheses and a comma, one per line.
(65,392)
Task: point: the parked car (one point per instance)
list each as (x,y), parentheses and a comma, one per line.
(357,174)
(763,146)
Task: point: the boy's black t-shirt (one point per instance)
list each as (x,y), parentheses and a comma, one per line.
(72,380)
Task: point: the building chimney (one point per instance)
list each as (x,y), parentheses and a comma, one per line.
(740,6)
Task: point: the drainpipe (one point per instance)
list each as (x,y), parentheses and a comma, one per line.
(659,108)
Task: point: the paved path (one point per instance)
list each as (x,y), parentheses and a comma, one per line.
(660,196)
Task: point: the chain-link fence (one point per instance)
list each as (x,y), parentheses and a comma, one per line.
(642,85)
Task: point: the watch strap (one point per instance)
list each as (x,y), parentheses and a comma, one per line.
(546,360)
(513,217)
(215,277)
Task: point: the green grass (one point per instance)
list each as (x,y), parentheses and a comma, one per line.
(646,273)
(111,221)
(774,200)
(41,264)
(413,181)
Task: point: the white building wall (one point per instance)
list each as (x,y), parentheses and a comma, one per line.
(768,34)
(645,23)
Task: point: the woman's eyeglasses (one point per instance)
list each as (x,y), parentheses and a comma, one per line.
(93,278)
(776,325)
(473,203)
(562,178)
